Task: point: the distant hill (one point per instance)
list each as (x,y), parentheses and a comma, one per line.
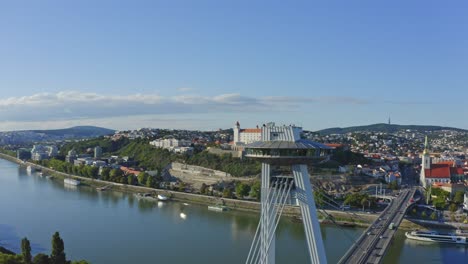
(30,136)
(78,131)
(385,128)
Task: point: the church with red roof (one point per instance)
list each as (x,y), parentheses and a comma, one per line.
(439,173)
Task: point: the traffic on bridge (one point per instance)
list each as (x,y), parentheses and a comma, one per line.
(373,243)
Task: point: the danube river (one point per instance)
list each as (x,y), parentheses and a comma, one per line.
(112,227)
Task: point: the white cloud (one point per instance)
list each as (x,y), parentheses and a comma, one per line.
(75,106)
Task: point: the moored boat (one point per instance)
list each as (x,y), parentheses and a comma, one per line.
(434,236)
(217,208)
(30,169)
(70,181)
(162,197)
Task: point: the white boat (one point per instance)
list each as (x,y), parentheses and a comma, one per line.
(30,169)
(70,181)
(162,197)
(217,208)
(433,236)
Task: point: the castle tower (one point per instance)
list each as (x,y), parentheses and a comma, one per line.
(282,146)
(236,133)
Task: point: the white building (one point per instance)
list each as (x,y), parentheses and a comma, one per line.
(40,152)
(170,142)
(247,135)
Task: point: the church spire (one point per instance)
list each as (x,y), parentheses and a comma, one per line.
(425,152)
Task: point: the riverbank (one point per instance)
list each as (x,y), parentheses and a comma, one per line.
(345,218)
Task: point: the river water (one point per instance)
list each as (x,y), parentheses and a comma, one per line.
(114,227)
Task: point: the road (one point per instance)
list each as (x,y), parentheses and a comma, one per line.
(372,245)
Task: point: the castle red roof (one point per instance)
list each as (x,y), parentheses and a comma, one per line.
(251,130)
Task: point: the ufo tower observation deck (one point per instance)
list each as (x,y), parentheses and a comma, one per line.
(282,146)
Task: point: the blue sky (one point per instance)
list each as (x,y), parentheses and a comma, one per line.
(206,64)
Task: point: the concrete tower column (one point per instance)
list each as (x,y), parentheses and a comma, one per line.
(305,196)
(267,254)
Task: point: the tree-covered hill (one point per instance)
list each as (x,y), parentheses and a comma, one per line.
(152,158)
(387,128)
(77,131)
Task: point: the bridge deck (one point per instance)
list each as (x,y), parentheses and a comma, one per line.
(373,243)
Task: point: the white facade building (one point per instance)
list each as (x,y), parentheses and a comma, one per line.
(170,142)
(247,135)
(40,152)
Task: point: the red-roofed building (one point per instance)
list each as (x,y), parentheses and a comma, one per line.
(128,171)
(439,173)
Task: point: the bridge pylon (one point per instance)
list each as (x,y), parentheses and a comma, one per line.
(281,146)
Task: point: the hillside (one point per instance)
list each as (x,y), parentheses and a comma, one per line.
(385,128)
(78,131)
(30,136)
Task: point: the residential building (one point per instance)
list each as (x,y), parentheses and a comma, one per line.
(41,152)
(170,142)
(97,152)
(71,156)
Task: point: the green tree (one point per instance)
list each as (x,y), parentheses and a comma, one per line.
(131,179)
(203,188)
(115,174)
(26,251)
(227,193)
(424,214)
(453,207)
(434,216)
(364,202)
(142,178)
(459,197)
(318,198)
(439,203)
(105,174)
(256,190)
(10,259)
(41,259)
(150,182)
(80,262)
(182,187)
(58,250)
(242,190)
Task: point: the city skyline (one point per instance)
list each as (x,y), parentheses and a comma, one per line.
(207,64)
